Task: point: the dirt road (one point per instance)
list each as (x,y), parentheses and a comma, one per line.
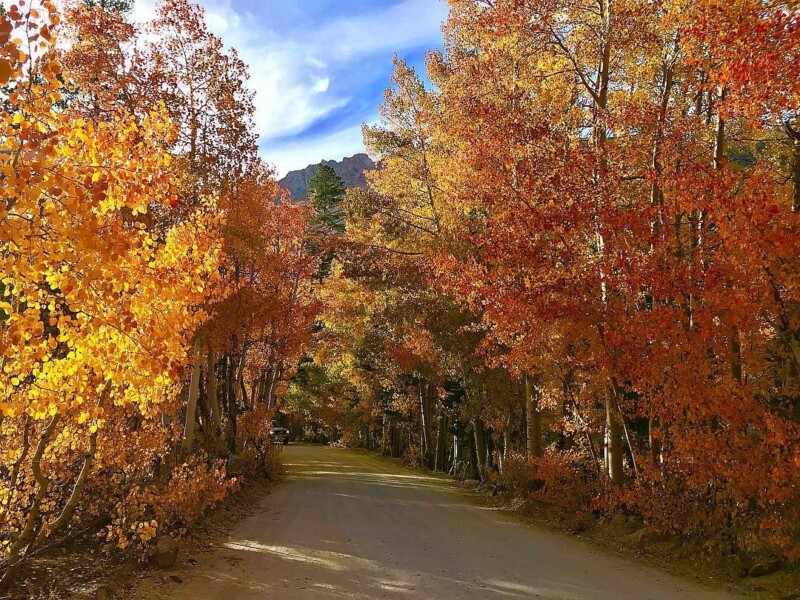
(349,524)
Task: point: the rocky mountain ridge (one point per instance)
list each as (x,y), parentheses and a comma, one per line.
(350,169)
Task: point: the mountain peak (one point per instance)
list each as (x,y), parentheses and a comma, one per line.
(350,169)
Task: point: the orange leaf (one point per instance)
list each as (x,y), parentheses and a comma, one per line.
(5,71)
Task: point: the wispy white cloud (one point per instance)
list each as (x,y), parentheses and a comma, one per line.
(292,90)
(407,24)
(298,73)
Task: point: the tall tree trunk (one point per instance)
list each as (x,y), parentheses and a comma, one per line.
(794,136)
(491,447)
(395,434)
(213,401)
(441,442)
(262,387)
(240,377)
(474,469)
(456,455)
(65,516)
(480,447)
(719,155)
(23,454)
(656,192)
(194,393)
(613,443)
(14,555)
(223,389)
(276,374)
(654,441)
(719,131)
(427,427)
(613,429)
(254,387)
(233,405)
(736,356)
(533,420)
(507,444)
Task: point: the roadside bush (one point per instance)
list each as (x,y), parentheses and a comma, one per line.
(168,506)
(258,455)
(561,480)
(565,480)
(518,477)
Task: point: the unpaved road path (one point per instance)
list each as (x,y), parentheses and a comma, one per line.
(348,524)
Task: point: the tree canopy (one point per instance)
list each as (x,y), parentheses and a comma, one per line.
(575,273)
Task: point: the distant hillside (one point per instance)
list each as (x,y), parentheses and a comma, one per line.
(351,170)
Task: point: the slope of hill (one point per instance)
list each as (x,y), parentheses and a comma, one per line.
(351,170)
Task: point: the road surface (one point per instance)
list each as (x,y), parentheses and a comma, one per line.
(348,524)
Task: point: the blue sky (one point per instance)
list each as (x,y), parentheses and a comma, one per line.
(319,67)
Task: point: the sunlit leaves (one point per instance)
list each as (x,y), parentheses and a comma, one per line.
(612,190)
(104,282)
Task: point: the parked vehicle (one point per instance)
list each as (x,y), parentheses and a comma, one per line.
(279,435)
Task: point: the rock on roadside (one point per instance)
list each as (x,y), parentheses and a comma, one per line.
(166,552)
(765,568)
(647,537)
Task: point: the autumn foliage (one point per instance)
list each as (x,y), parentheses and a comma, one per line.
(582,247)
(575,273)
(143,252)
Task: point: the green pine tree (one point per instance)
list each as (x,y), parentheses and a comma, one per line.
(326,191)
